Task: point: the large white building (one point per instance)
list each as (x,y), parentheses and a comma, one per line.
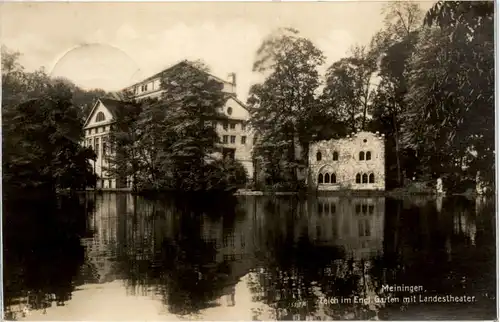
(235,135)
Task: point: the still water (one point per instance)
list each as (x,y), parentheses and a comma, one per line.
(121,257)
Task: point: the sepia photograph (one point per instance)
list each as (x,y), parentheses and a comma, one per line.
(268,161)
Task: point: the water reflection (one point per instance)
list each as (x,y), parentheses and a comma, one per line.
(248,258)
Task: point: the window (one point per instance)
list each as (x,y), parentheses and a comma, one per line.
(358,178)
(318,156)
(229,110)
(333,178)
(320,178)
(104,146)
(232,126)
(335,156)
(364,209)
(233,139)
(224,139)
(333,208)
(361,156)
(358,208)
(372,178)
(100,117)
(96,142)
(327,178)
(368,155)
(225,125)
(370,209)
(365,178)
(243,139)
(243,126)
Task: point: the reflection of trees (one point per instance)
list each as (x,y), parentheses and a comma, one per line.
(307,259)
(447,252)
(169,252)
(42,252)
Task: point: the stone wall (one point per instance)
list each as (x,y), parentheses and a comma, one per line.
(348,164)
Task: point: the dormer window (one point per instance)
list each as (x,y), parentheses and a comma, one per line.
(100,117)
(229,110)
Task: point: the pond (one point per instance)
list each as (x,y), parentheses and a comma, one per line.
(114,256)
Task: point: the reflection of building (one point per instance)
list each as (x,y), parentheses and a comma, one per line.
(356,162)
(101,248)
(356,224)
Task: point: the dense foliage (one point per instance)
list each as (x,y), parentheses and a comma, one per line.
(41,132)
(284,105)
(170,143)
(425,80)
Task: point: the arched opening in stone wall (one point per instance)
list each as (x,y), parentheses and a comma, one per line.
(368,155)
(318,156)
(320,178)
(358,178)
(371,178)
(335,156)
(365,178)
(361,156)
(327,178)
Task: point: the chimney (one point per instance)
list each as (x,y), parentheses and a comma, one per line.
(232,79)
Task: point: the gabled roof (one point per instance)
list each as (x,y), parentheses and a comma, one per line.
(183,62)
(232,96)
(113,106)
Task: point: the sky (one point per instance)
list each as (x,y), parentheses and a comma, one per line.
(113,45)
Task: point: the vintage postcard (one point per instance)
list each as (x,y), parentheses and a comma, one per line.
(248,161)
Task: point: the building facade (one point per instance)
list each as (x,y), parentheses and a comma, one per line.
(356,162)
(97,129)
(235,136)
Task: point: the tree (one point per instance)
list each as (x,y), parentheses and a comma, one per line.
(395,45)
(349,87)
(451,100)
(42,131)
(284,104)
(122,153)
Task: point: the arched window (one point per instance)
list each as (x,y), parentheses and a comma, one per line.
(100,117)
(368,155)
(320,178)
(372,178)
(327,178)
(318,156)
(335,156)
(361,156)
(358,178)
(333,178)
(365,178)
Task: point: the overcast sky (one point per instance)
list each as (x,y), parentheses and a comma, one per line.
(111,45)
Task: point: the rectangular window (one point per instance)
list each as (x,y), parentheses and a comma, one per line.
(233,126)
(243,126)
(224,125)
(233,139)
(104,146)
(96,144)
(243,139)
(224,139)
